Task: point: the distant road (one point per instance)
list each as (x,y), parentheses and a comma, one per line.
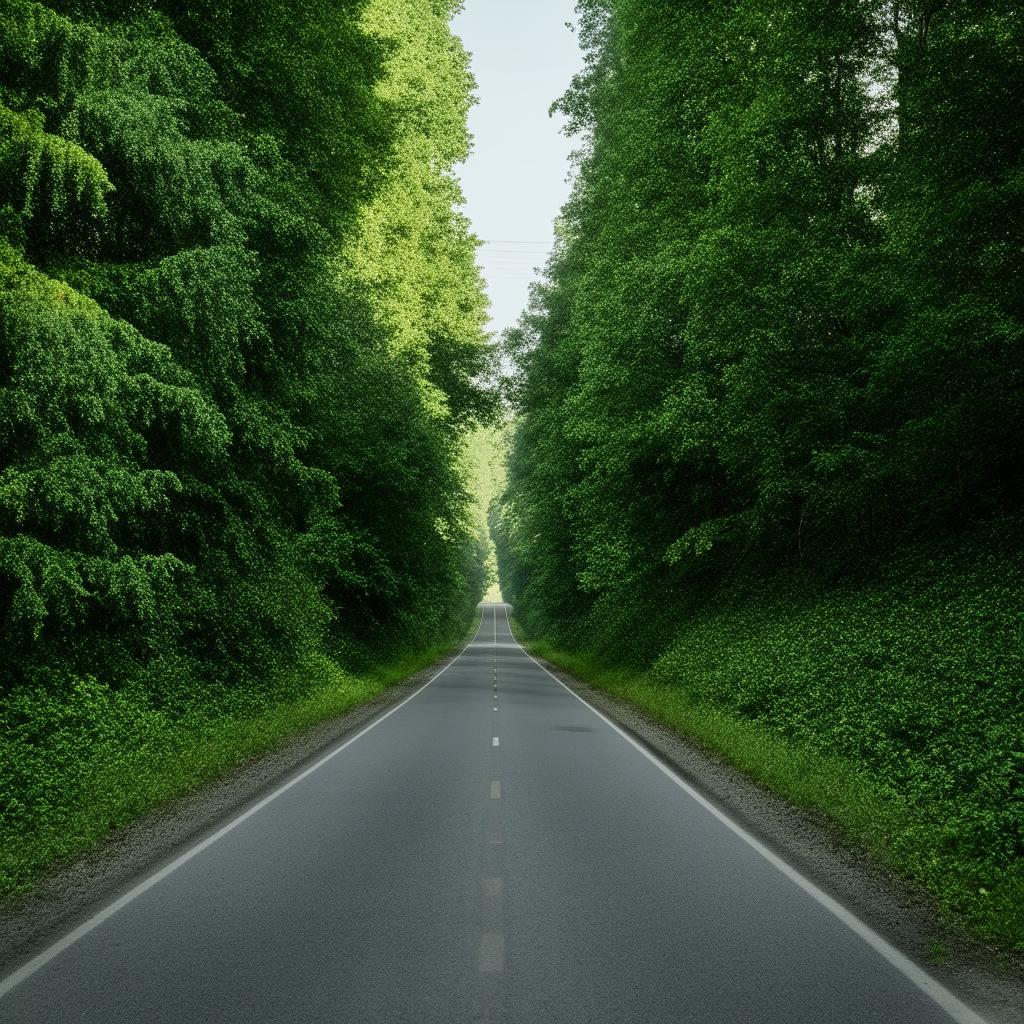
(490,850)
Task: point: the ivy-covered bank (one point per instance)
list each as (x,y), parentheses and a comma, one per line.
(241,351)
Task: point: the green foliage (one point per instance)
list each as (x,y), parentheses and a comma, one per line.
(780,340)
(232,417)
(915,678)
(784,323)
(485,467)
(412,249)
(82,394)
(47,183)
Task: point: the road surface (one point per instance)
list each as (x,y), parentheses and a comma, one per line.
(490,850)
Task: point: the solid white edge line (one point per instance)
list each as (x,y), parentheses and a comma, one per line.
(917,976)
(51,952)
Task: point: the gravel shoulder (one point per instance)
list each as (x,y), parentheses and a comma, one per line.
(984,977)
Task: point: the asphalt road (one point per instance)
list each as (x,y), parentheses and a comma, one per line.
(490,850)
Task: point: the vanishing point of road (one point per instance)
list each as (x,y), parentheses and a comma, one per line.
(490,850)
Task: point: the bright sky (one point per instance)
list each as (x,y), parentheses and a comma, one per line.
(524,56)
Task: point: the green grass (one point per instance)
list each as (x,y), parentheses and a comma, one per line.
(76,766)
(890,707)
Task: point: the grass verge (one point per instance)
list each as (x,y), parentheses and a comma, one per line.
(76,766)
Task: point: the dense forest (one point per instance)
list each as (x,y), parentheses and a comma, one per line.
(242,351)
(768,447)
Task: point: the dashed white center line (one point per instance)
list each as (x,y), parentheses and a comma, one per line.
(495,743)
(492,953)
(495,790)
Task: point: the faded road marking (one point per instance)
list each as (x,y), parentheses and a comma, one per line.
(492,953)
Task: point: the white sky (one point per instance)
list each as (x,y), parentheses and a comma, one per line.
(524,56)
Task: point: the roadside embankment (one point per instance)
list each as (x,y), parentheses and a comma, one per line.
(891,706)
